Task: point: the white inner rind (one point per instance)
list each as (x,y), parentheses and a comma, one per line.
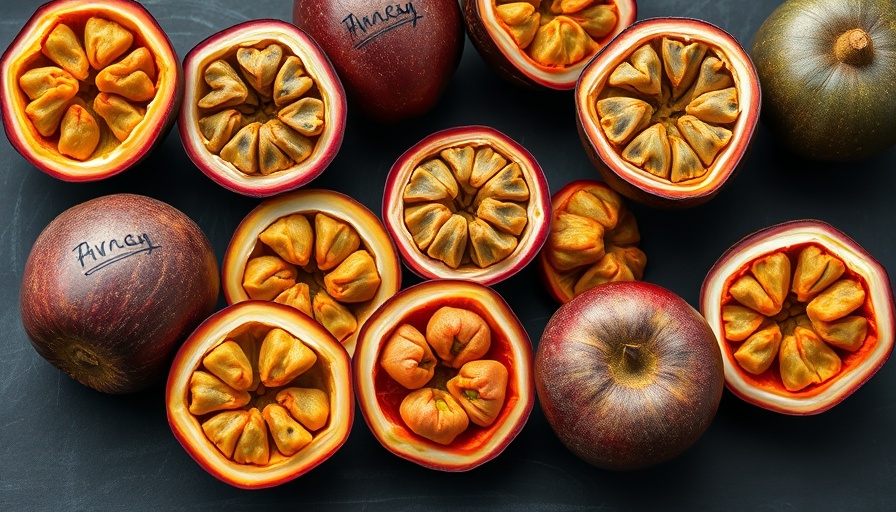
(252,36)
(208,455)
(397,438)
(537,211)
(745,81)
(336,205)
(141,139)
(544,75)
(879,300)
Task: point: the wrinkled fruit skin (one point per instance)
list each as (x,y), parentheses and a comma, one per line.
(113,286)
(488,35)
(395,59)
(269,143)
(622,417)
(846,116)
(331,374)
(719,166)
(110,157)
(381,398)
(855,364)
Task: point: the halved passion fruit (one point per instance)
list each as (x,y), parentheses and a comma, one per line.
(467,203)
(593,240)
(89,88)
(544,43)
(443,374)
(667,111)
(319,251)
(260,394)
(264,111)
(803,314)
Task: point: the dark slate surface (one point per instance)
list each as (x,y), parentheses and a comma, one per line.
(66,447)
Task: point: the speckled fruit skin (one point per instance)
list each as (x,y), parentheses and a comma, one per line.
(161,114)
(512,64)
(627,179)
(600,418)
(112,321)
(861,365)
(848,114)
(395,62)
(210,333)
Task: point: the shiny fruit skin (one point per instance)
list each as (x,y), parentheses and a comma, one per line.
(113,286)
(846,116)
(395,59)
(618,419)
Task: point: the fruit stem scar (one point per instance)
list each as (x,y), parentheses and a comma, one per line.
(854,47)
(83,357)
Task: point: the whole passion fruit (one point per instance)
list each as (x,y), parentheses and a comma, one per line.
(825,67)
(319,251)
(544,43)
(89,88)
(260,394)
(112,287)
(467,203)
(443,374)
(667,111)
(803,314)
(264,111)
(628,375)
(395,58)
(593,240)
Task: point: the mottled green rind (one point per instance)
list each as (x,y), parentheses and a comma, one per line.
(818,107)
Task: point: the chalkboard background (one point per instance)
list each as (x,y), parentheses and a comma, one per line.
(64,446)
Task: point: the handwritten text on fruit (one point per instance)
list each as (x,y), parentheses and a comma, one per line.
(96,256)
(366,28)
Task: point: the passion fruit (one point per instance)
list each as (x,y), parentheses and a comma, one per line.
(260,394)
(113,286)
(467,203)
(544,43)
(845,116)
(319,251)
(803,314)
(593,240)
(443,374)
(667,111)
(264,111)
(628,375)
(395,58)
(90,88)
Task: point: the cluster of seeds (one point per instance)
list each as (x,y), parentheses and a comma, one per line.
(670,109)
(801,317)
(257,389)
(316,264)
(90,88)
(269,125)
(557,33)
(449,384)
(467,205)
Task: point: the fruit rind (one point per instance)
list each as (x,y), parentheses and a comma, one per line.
(212,332)
(880,301)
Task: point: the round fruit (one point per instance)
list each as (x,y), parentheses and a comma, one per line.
(593,240)
(847,114)
(395,58)
(544,43)
(628,375)
(667,111)
(443,374)
(804,316)
(112,287)
(319,251)
(89,88)
(260,394)
(467,203)
(264,111)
